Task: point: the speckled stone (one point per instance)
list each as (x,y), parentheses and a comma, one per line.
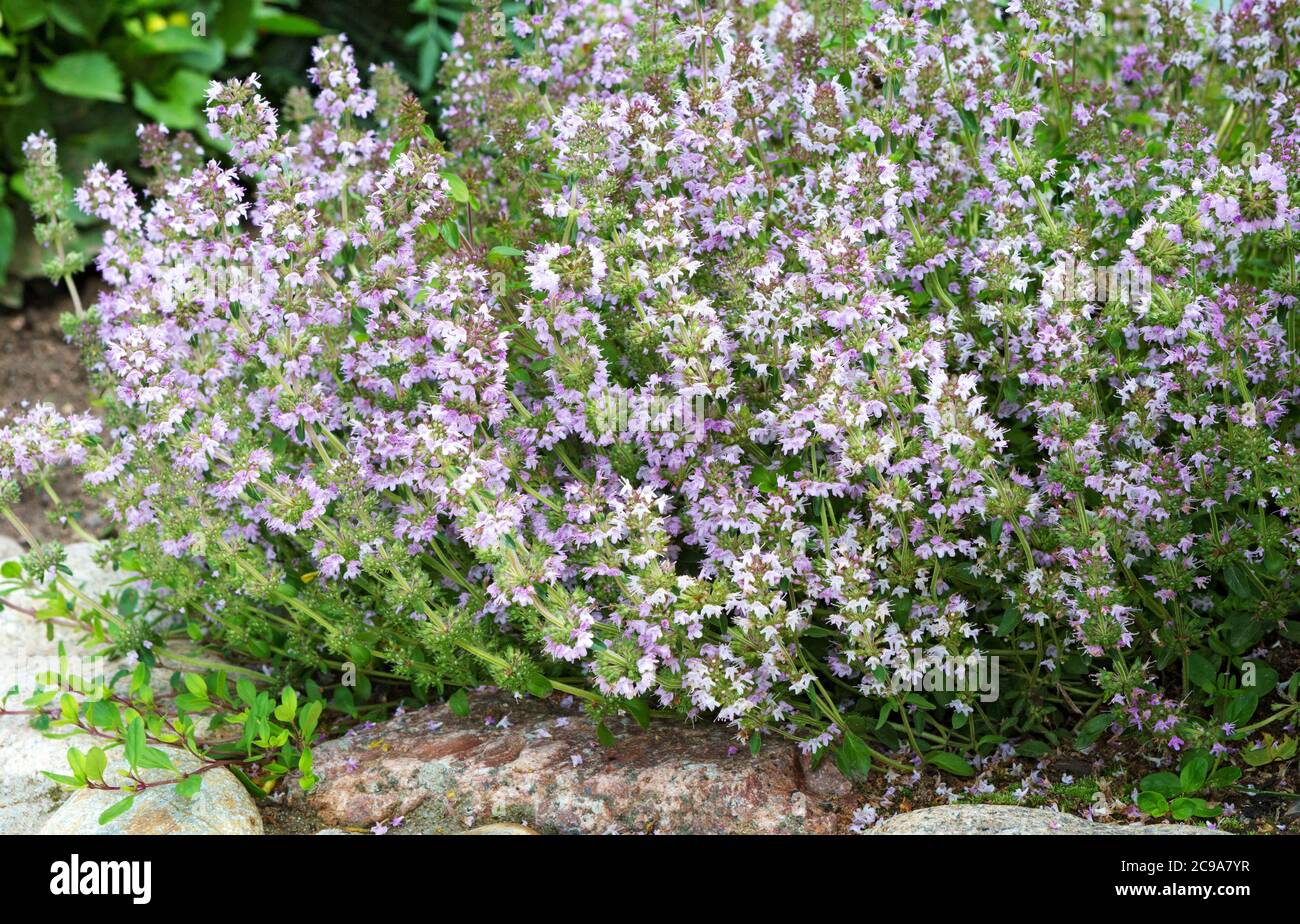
(545,768)
(222,806)
(26,797)
(1014,819)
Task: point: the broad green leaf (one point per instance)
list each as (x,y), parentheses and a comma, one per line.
(84,74)
(21,15)
(177,103)
(1153,803)
(1164,783)
(1195,770)
(459,191)
(1224,776)
(458,702)
(196,685)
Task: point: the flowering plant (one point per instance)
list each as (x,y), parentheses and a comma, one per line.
(759,363)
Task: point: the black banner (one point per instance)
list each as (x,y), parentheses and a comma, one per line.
(335,874)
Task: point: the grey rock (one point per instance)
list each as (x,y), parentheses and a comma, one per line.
(222,806)
(1014,819)
(26,797)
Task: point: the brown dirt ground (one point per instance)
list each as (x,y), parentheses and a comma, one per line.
(37,364)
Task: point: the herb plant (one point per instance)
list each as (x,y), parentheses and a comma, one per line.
(740,362)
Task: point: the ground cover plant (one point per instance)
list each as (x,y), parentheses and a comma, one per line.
(771,364)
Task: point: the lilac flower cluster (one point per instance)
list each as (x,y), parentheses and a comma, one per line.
(828,225)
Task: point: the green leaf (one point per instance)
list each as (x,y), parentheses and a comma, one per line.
(68,707)
(1237,582)
(172,40)
(176,103)
(504,251)
(77,761)
(117,808)
(289,24)
(1164,783)
(950,763)
(1195,770)
(249,786)
(128,601)
(8,234)
(639,711)
(64,780)
(308,716)
(288,707)
(1224,776)
(1202,671)
(190,786)
(852,757)
(196,685)
(103,715)
(234,23)
(152,758)
(21,15)
(604,735)
(1153,803)
(1091,730)
(763,478)
(1198,807)
(1241,706)
(1032,748)
(135,742)
(245,690)
(919,701)
(539,686)
(755,743)
(458,703)
(95,765)
(84,74)
(459,191)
